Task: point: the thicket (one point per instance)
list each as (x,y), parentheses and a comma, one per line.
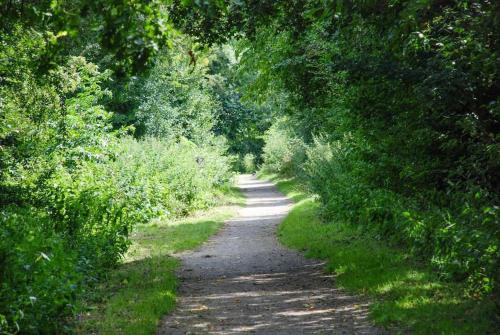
(395,105)
(75,175)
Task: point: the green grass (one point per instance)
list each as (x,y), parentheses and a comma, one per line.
(406,296)
(138,293)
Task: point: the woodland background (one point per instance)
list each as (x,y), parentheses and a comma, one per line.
(116,112)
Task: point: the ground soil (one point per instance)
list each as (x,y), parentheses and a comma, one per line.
(242,281)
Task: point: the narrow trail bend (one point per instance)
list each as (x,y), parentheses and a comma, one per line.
(242,281)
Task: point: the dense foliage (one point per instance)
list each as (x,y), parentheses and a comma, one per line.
(73,181)
(115,112)
(397,104)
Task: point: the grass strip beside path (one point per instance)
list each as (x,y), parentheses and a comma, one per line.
(139,292)
(407,297)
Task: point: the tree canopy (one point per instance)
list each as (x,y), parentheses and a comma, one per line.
(116,112)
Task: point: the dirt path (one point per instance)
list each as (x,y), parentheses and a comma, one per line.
(244,282)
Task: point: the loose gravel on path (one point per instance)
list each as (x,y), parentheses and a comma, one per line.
(242,281)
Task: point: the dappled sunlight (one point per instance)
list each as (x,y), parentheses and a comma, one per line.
(409,286)
(243,281)
(261,301)
(408,294)
(307,312)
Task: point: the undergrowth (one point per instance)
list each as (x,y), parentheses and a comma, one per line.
(407,296)
(143,288)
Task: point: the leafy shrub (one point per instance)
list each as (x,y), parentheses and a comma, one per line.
(174,178)
(50,254)
(39,280)
(72,188)
(249,163)
(283,151)
(458,240)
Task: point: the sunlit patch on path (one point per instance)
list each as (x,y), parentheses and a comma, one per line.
(243,281)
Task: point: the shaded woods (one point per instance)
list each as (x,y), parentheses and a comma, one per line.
(113,113)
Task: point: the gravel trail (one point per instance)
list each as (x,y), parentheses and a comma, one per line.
(242,281)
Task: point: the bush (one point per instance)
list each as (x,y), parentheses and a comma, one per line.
(71,188)
(284,152)
(40,278)
(457,239)
(50,254)
(249,163)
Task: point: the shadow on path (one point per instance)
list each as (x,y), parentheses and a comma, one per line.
(243,282)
